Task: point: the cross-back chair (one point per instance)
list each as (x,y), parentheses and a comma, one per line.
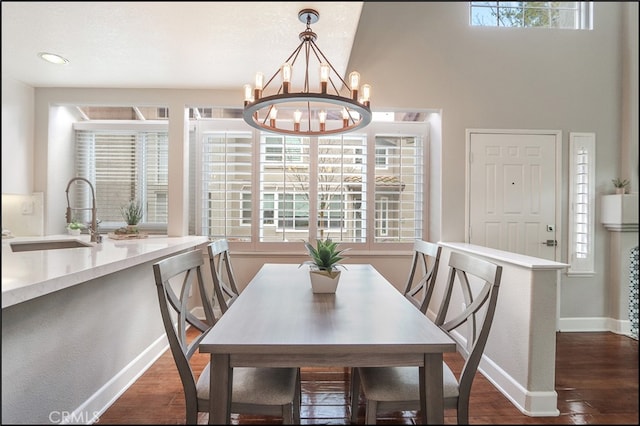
(265,391)
(423,274)
(418,288)
(397,388)
(224,280)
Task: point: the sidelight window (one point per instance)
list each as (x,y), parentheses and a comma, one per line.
(582,200)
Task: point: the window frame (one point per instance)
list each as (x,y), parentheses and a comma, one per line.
(88,170)
(399,128)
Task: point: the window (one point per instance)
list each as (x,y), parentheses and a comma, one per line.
(399,188)
(582,199)
(226,174)
(126,161)
(565,15)
(262,188)
(341,195)
(284,188)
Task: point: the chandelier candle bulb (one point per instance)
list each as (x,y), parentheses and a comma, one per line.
(273,114)
(345,117)
(248,94)
(297,116)
(324,77)
(259,83)
(366,94)
(354,82)
(286,77)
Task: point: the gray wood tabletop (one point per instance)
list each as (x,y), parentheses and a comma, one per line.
(279,322)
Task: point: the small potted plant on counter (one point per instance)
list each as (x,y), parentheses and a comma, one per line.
(620,185)
(74,227)
(132,215)
(324,264)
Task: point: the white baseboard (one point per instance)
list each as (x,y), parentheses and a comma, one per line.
(533,404)
(91,410)
(594,324)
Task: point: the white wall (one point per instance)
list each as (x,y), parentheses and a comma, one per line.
(17,137)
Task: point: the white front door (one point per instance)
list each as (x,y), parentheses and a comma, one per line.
(513,191)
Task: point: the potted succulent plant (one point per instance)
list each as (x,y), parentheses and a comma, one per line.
(324,264)
(132,215)
(620,185)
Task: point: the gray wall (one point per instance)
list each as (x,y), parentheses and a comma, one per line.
(89,340)
(425,55)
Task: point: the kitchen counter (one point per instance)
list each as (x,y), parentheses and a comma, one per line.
(30,274)
(79,325)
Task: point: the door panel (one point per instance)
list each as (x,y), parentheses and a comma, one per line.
(512,192)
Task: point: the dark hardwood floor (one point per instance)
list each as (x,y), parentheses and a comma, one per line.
(596,382)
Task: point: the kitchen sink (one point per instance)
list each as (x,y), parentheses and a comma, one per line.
(47,245)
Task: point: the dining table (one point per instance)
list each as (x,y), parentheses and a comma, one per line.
(277,321)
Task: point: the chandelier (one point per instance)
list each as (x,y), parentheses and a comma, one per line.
(334,107)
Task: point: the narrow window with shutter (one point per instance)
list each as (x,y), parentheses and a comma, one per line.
(582,200)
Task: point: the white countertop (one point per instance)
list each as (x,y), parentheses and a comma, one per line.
(30,274)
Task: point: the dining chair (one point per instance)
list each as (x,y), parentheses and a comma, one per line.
(263,391)
(224,280)
(397,388)
(423,274)
(418,289)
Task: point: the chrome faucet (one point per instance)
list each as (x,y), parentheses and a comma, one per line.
(93,228)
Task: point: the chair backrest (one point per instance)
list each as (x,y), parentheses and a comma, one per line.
(224,281)
(176,315)
(480,299)
(423,273)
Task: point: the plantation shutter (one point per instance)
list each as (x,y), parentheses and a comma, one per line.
(341,188)
(284,188)
(226,180)
(399,188)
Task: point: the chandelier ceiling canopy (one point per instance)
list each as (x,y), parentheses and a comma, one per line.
(332,107)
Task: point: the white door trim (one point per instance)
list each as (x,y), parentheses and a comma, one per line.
(558,176)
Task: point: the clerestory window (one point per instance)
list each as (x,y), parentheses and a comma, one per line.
(529,14)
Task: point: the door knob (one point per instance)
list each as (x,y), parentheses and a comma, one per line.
(550,243)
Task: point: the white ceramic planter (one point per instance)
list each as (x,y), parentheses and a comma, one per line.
(323,282)
(73,231)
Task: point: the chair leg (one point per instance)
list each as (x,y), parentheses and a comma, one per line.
(370,412)
(288,414)
(355,394)
(463,413)
(297,401)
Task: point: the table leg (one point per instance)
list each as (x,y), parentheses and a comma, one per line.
(220,390)
(431,392)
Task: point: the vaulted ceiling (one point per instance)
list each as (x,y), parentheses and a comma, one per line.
(210,45)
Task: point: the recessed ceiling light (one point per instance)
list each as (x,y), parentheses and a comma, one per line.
(53,58)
